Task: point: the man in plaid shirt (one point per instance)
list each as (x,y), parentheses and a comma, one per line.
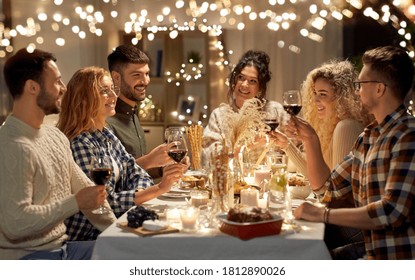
(380,170)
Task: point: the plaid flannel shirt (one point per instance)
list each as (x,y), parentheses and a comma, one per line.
(121,192)
(380,172)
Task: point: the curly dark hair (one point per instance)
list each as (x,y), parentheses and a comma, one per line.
(259,60)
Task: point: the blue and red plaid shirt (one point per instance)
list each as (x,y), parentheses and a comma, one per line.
(121,192)
(380,172)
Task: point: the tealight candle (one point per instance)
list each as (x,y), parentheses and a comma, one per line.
(249,197)
(189,217)
(173,217)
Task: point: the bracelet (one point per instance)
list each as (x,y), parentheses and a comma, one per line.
(326,215)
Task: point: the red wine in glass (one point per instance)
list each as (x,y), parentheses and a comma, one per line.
(273,124)
(292,109)
(101,175)
(100,172)
(292,102)
(177,154)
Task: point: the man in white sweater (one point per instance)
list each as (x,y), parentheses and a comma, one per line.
(40,184)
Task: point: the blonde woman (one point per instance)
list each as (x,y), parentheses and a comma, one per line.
(89,100)
(333,109)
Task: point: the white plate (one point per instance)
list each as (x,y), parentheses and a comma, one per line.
(175,195)
(177,189)
(199,173)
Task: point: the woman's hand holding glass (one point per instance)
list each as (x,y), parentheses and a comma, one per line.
(171,175)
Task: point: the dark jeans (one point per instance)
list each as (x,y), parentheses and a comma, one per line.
(344,243)
(72,250)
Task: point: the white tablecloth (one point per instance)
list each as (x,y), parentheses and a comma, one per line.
(117,244)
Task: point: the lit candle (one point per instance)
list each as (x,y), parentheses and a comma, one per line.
(189,217)
(249,197)
(173,217)
(263,202)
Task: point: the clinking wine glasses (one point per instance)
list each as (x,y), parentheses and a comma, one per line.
(101,170)
(292,102)
(271,117)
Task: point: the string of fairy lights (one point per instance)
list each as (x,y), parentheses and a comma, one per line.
(205,16)
(142,19)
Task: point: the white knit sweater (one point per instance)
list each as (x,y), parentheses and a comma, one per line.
(212,134)
(38,178)
(344,135)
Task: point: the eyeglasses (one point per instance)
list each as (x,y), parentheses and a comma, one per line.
(105,91)
(357,85)
(251,81)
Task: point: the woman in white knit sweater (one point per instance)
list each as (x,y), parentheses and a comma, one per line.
(247,80)
(333,109)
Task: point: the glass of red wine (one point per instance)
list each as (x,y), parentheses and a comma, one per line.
(178,150)
(271,117)
(101,170)
(292,102)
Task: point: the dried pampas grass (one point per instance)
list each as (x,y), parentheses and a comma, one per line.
(245,124)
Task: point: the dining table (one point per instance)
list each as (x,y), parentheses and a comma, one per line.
(299,241)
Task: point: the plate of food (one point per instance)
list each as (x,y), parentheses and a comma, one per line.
(299,186)
(176,195)
(183,188)
(250,222)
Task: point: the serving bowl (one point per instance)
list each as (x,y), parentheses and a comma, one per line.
(300,192)
(298,186)
(245,231)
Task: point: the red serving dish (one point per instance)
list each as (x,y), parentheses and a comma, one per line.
(247,231)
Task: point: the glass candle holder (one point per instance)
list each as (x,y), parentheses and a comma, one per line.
(199,198)
(189,217)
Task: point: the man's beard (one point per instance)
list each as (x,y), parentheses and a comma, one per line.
(47,103)
(129,93)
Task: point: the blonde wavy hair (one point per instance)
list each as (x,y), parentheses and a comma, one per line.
(82,101)
(341,75)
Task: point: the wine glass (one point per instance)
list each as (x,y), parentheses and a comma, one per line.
(178,150)
(172,131)
(292,102)
(101,170)
(271,117)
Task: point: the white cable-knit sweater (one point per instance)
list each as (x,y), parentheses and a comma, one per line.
(344,135)
(38,178)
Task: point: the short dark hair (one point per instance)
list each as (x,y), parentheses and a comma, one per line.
(126,54)
(259,60)
(394,66)
(24,66)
